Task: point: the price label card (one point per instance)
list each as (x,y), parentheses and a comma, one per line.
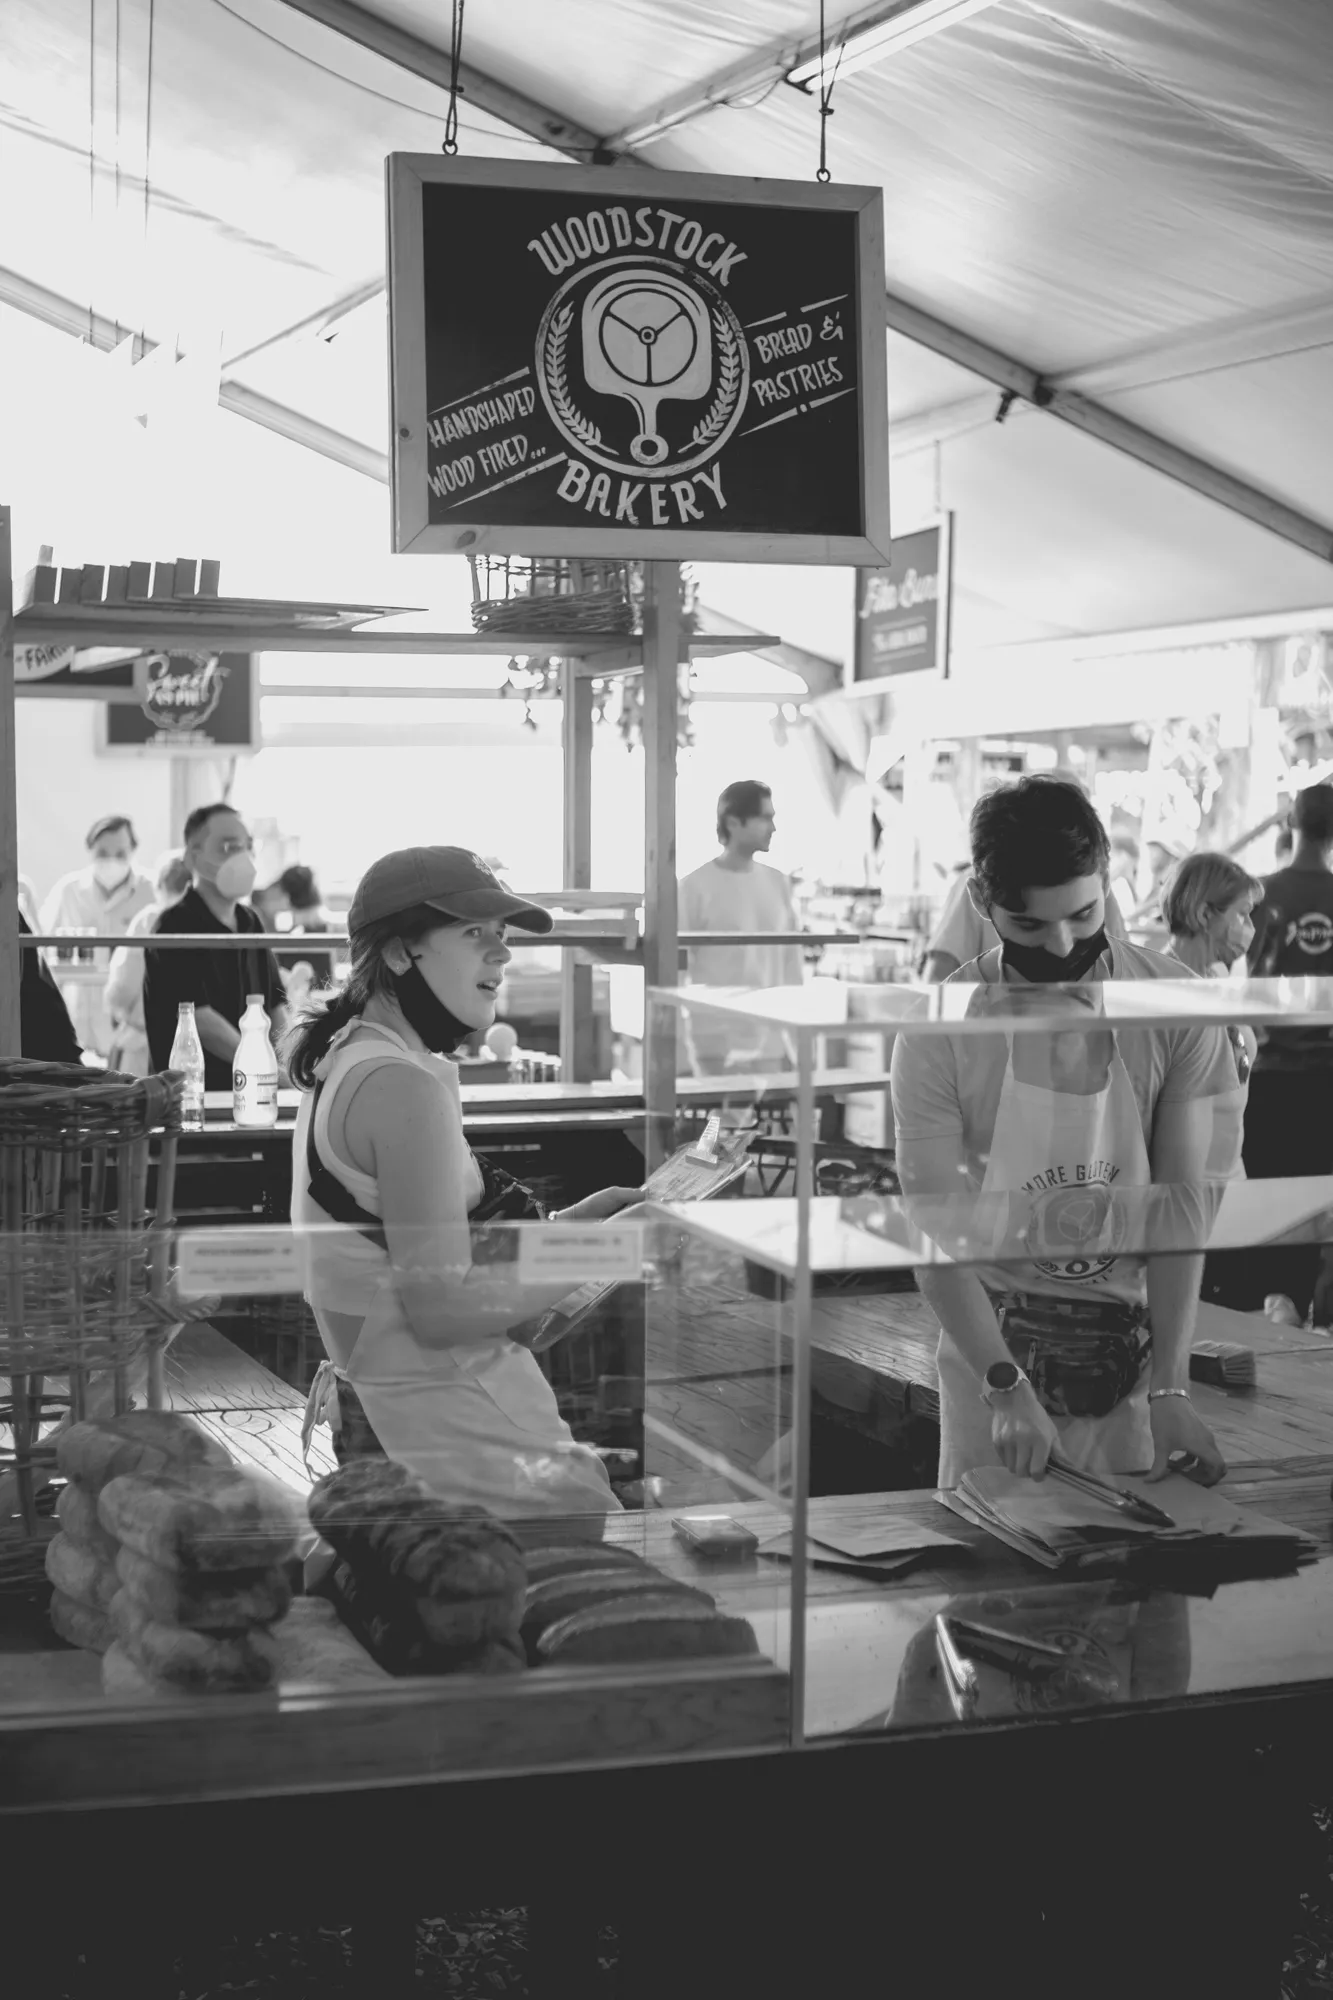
(562,1250)
(238,1260)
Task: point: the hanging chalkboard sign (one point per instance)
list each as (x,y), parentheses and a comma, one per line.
(903,611)
(193,704)
(615,362)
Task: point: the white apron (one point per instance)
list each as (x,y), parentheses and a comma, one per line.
(478,1422)
(1063,1148)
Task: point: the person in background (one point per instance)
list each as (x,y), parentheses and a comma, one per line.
(301,890)
(46,1033)
(124,987)
(1063,1117)
(1289,1118)
(218,851)
(964,932)
(1207,905)
(104,895)
(735,892)
(1124,870)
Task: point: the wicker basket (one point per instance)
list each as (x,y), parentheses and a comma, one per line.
(592,611)
(83,1264)
(550,594)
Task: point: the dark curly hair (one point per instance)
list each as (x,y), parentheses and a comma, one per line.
(1035,834)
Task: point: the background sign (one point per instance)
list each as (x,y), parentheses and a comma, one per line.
(902,612)
(593,360)
(101,673)
(193,702)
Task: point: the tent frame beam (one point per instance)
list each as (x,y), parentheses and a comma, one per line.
(1024,384)
(431,64)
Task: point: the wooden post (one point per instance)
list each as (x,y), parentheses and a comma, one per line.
(578,1027)
(10,967)
(661,681)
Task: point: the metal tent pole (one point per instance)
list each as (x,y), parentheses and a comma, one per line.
(661,680)
(10,965)
(578,1028)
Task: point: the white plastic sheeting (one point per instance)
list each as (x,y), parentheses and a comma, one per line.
(1134,197)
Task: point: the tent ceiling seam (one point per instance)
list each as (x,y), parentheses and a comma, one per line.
(1244,141)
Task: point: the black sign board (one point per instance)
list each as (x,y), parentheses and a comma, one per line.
(99,673)
(902,612)
(195,703)
(615,362)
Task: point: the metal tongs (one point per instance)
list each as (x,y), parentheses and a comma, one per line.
(959,1643)
(1119,1497)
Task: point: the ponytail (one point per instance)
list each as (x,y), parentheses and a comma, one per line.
(326,1014)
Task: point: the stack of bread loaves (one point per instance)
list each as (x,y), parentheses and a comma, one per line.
(428,1588)
(81,1560)
(608,1607)
(201,1577)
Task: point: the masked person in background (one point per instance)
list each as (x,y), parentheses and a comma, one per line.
(415,1317)
(218,853)
(104,896)
(124,987)
(1088,1352)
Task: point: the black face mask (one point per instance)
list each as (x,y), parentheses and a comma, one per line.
(423,1010)
(1032,962)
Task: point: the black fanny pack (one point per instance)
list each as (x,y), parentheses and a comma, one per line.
(1082,1356)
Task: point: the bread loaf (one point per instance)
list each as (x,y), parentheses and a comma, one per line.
(79,1624)
(615,1634)
(196,1662)
(122,1680)
(565,1561)
(76,1510)
(559,1597)
(78,1573)
(483,1642)
(205,1600)
(103,1448)
(206,1518)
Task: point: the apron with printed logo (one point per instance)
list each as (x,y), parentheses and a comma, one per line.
(1068,1151)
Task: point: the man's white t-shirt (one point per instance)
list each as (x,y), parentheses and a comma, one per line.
(756,898)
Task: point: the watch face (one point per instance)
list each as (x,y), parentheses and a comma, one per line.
(1002,1375)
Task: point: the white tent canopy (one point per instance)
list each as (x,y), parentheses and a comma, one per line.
(1120,210)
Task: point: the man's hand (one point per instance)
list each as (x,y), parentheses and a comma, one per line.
(1178,1427)
(600,1206)
(1022,1433)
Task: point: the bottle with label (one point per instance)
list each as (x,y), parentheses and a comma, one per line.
(187,1056)
(254,1070)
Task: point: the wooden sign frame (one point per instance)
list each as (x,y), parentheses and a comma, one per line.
(408,175)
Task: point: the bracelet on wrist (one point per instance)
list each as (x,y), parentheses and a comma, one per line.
(1156,1395)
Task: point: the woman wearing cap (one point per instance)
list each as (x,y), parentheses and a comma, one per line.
(414,1326)
(103,896)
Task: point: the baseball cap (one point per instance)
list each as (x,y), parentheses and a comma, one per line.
(452,880)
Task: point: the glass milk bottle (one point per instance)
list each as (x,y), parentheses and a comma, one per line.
(187,1056)
(254,1070)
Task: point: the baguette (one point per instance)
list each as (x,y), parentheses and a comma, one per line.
(564,1561)
(207,1518)
(79,1625)
(76,1510)
(196,1662)
(103,1448)
(616,1634)
(89,1579)
(560,1596)
(203,1600)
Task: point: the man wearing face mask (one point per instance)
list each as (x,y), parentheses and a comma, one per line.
(1088,1352)
(104,896)
(218,854)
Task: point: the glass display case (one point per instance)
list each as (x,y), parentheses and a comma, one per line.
(1068,1166)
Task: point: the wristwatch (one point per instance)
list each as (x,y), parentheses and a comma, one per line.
(1002,1378)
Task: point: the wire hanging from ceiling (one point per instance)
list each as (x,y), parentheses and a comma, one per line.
(455,63)
(147,179)
(92,165)
(826,83)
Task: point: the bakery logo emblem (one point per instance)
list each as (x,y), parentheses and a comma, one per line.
(664,346)
(1077,1219)
(184,690)
(1312,934)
